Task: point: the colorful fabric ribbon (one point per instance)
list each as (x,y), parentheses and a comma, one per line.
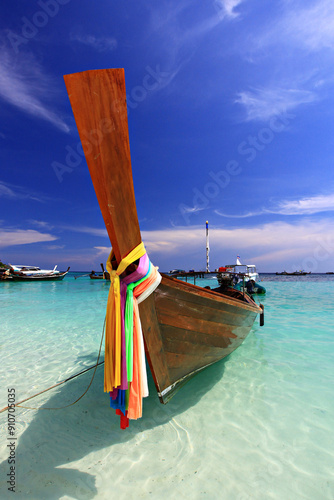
(125,376)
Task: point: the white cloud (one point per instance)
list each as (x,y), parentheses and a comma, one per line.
(105,251)
(311,26)
(24,85)
(273,244)
(310,205)
(305,206)
(279,244)
(297,26)
(262,104)
(11,237)
(227,7)
(101,44)
(240,216)
(292,54)
(185,238)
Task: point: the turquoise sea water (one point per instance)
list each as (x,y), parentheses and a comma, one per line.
(258,425)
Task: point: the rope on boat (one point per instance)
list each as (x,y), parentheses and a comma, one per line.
(63,382)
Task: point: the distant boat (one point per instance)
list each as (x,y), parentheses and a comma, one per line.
(33,273)
(104,275)
(177,271)
(295,273)
(330,272)
(240,276)
(185,328)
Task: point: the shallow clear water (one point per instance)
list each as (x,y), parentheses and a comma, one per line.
(256,425)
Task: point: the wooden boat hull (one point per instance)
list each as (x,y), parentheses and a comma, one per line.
(187,328)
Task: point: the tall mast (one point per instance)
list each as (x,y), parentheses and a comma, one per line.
(207,246)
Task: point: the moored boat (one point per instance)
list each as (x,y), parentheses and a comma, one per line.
(185,328)
(241,277)
(251,287)
(295,273)
(99,276)
(34,273)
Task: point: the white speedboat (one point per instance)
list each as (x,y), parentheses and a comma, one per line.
(33,273)
(32,270)
(238,274)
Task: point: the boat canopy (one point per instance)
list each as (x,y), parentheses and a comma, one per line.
(26,268)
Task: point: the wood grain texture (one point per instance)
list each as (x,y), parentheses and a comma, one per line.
(197,331)
(98,101)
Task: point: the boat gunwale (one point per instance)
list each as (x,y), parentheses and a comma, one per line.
(217,296)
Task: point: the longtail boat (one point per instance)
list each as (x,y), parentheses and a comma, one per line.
(99,276)
(185,328)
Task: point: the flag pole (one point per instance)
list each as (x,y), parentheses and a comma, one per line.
(207,246)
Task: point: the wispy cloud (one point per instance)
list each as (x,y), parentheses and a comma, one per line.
(40,223)
(105,251)
(6,191)
(227,7)
(88,230)
(262,104)
(292,54)
(240,216)
(311,25)
(305,206)
(177,39)
(10,237)
(101,44)
(14,192)
(23,84)
(299,25)
(55,247)
(225,11)
(308,206)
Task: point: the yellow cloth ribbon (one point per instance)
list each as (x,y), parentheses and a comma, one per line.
(113,346)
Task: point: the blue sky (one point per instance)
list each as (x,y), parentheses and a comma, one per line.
(231,120)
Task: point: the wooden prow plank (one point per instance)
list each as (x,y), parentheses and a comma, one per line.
(98,101)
